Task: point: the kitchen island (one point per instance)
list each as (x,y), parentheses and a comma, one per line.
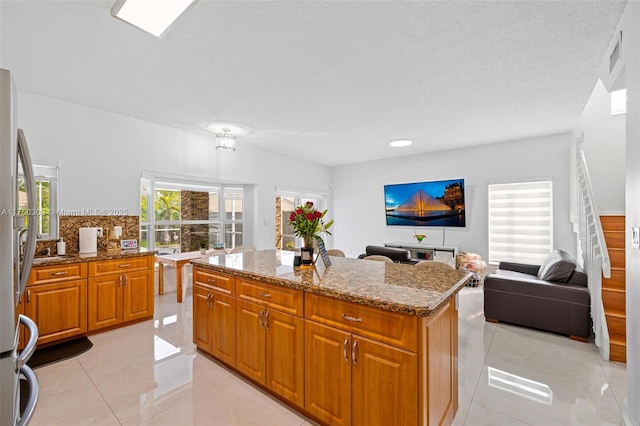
(355,343)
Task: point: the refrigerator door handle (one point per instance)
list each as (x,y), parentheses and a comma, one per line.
(30,181)
(30,347)
(30,406)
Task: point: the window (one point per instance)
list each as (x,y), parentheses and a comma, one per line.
(46,201)
(619,102)
(176,217)
(285,205)
(520,222)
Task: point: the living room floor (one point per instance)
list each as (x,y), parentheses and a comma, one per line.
(151,374)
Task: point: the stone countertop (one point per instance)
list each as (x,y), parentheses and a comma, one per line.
(100,255)
(395,287)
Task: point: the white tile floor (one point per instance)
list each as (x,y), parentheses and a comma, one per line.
(150,374)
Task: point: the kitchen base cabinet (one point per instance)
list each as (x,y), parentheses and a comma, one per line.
(56,299)
(121,297)
(270,349)
(59,309)
(355,380)
(214,315)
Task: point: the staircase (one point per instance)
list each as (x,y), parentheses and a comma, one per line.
(593,254)
(613,288)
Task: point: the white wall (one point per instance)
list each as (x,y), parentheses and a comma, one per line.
(101,156)
(358,198)
(631,47)
(604,148)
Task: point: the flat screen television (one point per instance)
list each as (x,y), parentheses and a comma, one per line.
(434,203)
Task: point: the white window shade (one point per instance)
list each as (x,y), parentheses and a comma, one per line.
(520,222)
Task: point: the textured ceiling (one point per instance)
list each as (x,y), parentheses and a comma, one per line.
(327,81)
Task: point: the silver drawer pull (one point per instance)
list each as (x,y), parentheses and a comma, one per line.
(348,318)
(353,352)
(344,349)
(124,265)
(266,295)
(211,280)
(59,273)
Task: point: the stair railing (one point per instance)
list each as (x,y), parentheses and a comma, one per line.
(592,248)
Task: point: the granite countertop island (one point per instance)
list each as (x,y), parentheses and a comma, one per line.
(407,289)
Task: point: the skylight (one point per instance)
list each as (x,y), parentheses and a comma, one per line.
(152,16)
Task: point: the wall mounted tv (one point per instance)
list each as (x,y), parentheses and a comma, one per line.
(434,203)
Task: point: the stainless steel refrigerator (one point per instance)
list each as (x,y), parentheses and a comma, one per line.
(17,248)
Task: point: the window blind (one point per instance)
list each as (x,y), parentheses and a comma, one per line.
(520,222)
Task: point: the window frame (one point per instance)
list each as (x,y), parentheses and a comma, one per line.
(161,183)
(533,246)
(46,172)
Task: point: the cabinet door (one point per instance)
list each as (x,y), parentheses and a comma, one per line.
(224,327)
(60,309)
(327,390)
(138,295)
(384,384)
(285,355)
(251,341)
(202,319)
(105,301)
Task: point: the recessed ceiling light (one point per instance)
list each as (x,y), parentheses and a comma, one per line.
(400,143)
(152,16)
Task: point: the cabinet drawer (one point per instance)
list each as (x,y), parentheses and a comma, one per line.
(284,299)
(385,326)
(115,266)
(215,280)
(57,273)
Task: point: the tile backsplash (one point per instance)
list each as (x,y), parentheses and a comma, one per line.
(69,226)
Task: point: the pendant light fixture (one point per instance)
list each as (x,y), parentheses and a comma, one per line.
(225,141)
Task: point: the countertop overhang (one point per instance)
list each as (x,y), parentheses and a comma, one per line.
(408,289)
(100,255)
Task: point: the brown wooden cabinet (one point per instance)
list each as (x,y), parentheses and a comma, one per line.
(56,299)
(120,291)
(270,337)
(354,380)
(214,314)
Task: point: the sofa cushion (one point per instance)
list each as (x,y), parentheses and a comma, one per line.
(557,267)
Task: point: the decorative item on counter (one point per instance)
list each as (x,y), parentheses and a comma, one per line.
(129,244)
(61,247)
(113,239)
(218,246)
(204,244)
(420,237)
(308,223)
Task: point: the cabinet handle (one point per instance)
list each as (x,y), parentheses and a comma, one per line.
(126,280)
(348,318)
(260,319)
(124,265)
(28,296)
(54,274)
(266,320)
(211,280)
(120,281)
(344,349)
(265,295)
(353,352)
(210,300)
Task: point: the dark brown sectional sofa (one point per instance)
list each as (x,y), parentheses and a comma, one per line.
(552,296)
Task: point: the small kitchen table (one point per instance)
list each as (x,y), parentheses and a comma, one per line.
(177,261)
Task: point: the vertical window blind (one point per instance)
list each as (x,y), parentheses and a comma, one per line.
(520,222)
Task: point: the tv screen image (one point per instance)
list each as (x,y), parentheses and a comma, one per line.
(434,203)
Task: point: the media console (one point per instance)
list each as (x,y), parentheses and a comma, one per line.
(423,251)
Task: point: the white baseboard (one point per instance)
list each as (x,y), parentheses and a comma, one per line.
(628,416)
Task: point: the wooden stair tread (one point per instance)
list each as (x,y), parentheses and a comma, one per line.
(620,315)
(618,341)
(614,289)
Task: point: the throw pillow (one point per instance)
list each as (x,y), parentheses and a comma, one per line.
(557,267)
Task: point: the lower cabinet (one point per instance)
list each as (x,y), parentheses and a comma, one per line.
(59,309)
(354,380)
(214,322)
(121,297)
(270,349)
